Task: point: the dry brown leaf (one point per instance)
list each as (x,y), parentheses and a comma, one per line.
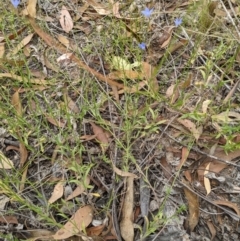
(167,36)
(99,8)
(21,79)
(173,93)
(123,173)
(228,204)
(2,49)
(8,219)
(226,117)
(101,136)
(191,127)
(95,231)
(79,221)
(23,158)
(212,229)
(16,102)
(65,41)
(55,122)
(205,105)
(70,103)
(30,9)
(185,153)
(126,223)
(57,192)
(193,206)
(23,43)
(5,163)
(66,20)
(79,190)
(115,10)
(206,180)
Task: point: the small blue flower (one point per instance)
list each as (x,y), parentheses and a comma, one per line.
(147,12)
(178,21)
(142,46)
(15,3)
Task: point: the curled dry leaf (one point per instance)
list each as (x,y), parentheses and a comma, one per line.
(66,20)
(78,222)
(57,192)
(126,224)
(228,204)
(206,180)
(5,163)
(79,190)
(30,9)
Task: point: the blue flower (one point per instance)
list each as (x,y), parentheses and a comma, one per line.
(178,21)
(147,12)
(15,3)
(142,46)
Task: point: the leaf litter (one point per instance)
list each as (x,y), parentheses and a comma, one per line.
(164,106)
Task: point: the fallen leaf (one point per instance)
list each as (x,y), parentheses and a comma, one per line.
(101,136)
(70,103)
(193,207)
(2,49)
(5,163)
(166,37)
(66,20)
(206,180)
(191,127)
(123,173)
(228,204)
(79,190)
(212,229)
(95,231)
(16,102)
(30,9)
(8,219)
(57,192)
(226,117)
(126,223)
(65,41)
(78,222)
(99,8)
(205,105)
(115,10)
(173,93)
(23,158)
(23,43)
(185,153)
(55,122)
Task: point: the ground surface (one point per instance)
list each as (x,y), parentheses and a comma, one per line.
(119,120)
